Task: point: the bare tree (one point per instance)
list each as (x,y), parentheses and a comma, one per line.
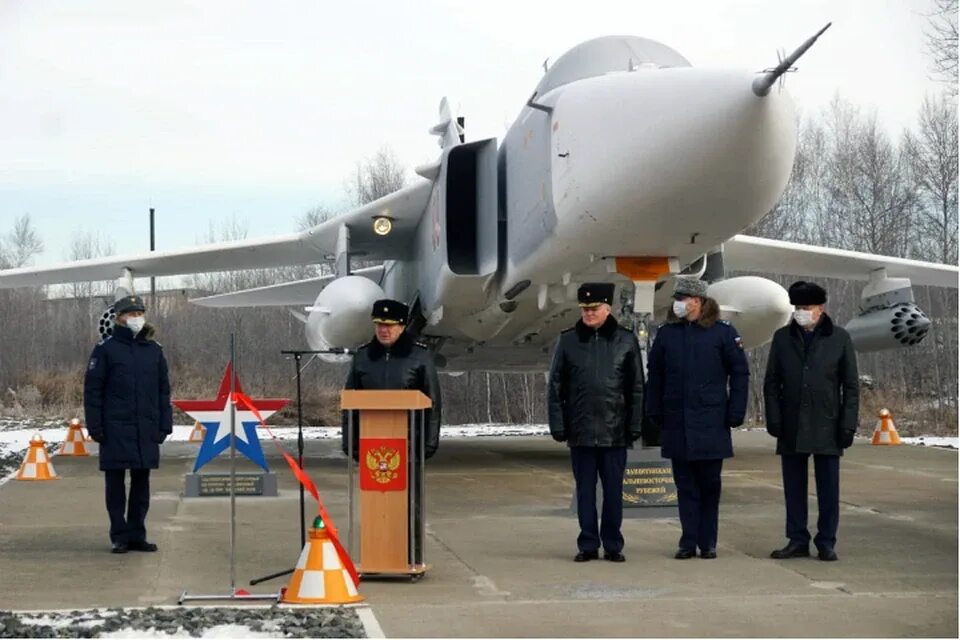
(84,246)
(941,35)
(318,215)
(377,176)
(933,164)
(21,244)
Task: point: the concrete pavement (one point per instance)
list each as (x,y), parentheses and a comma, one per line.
(501,540)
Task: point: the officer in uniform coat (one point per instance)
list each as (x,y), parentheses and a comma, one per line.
(393,360)
(811,393)
(696,391)
(596,406)
(126,401)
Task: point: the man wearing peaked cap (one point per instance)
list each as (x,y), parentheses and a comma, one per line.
(595,405)
(393,360)
(126,400)
(389,312)
(591,295)
(696,391)
(811,396)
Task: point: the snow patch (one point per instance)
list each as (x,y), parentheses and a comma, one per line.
(933,441)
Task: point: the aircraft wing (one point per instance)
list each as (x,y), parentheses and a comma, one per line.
(404,207)
(747,253)
(297,293)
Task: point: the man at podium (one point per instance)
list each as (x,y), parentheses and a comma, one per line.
(393,360)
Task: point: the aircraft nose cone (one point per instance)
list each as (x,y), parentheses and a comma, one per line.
(660,155)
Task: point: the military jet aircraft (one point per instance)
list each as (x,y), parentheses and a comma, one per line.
(626,164)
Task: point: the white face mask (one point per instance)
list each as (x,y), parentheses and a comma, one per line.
(135,324)
(803,317)
(680,308)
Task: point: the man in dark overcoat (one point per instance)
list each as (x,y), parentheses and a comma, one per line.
(126,401)
(595,393)
(696,392)
(812,398)
(394,360)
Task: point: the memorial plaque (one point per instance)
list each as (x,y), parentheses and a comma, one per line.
(210,485)
(649,483)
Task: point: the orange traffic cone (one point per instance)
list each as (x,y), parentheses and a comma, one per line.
(198,434)
(36,465)
(86,434)
(886,432)
(74,444)
(320,577)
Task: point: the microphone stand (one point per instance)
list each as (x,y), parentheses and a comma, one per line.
(297,357)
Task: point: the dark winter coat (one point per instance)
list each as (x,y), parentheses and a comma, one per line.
(596,387)
(126,400)
(697,385)
(404,365)
(812,396)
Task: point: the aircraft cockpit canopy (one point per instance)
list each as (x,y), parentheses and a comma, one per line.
(600,56)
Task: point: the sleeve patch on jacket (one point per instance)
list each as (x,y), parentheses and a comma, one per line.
(93,364)
(739,341)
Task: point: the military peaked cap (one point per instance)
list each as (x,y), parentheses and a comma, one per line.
(128,304)
(388,311)
(593,294)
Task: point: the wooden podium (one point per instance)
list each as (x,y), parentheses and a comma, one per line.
(390,480)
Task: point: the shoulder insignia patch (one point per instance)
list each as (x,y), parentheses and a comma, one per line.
(93,364)
(739,341)
(726,322)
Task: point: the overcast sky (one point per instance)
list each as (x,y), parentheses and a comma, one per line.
(259,110)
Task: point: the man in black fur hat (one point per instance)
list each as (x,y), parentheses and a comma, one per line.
(811,393)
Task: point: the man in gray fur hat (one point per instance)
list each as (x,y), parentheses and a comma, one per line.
(695,358)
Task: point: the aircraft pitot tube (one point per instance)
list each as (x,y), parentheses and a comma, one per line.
(340,318)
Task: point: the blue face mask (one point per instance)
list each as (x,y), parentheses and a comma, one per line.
(680,308)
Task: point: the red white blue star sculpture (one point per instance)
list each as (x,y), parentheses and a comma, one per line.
(215,416)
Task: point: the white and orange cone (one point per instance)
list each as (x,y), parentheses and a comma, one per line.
(198,434)
(74,445)
(886,431)
(36,465)
(320,577)
(86,434)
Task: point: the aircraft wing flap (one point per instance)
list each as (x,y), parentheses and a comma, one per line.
(296,293)
(748,253)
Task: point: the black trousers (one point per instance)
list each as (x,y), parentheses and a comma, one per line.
(698,500)
(607,463)
(827,472)
(127,517)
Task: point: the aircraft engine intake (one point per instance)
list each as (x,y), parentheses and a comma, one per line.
(902,325)
(340,318)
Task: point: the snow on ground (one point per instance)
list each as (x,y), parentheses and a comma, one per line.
(933,441)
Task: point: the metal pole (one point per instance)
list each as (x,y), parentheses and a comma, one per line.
(350,509)
(412,420)
(421,489)
(303,523)
(153,281)
(233,466)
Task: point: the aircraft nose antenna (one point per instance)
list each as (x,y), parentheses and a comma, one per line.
(761,86)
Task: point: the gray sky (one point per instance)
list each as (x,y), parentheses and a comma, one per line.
(257,110)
